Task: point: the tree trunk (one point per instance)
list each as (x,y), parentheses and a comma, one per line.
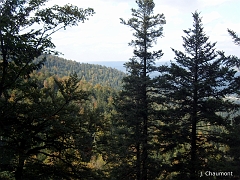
(145,117)
(21,159)
(194,127)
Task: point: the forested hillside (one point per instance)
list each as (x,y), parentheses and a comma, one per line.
(92,73)
(60,119)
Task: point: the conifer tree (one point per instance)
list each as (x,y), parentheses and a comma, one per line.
(37,125)
(234,61)
(196,115)
(25,33)
(234,36)
(233,139)
(136,155)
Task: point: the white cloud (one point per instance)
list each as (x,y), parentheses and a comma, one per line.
(171,13)
(224,41)
(100,38)
(209,17)
(207,3)
(179,5)
(103,38)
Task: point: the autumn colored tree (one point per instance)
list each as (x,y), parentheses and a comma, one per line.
(37,126)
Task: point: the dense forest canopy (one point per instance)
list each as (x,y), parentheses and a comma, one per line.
(92,73)
(60,119)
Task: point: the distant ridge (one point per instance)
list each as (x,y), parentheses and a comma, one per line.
(93,73)
(119,65)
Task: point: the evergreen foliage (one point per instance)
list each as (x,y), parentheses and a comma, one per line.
(235,61)
(197,110)
(235,37)
(135,149)
(61,119)
(18,47)
(233,137)
(95,74)
(42,133)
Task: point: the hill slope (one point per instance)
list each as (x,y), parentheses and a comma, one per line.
(93,73)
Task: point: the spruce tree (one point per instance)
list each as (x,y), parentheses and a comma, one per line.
(135,149)
(195,89)
(233,139)
(234,61)
(234,36)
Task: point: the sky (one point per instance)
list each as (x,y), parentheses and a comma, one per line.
(104,38)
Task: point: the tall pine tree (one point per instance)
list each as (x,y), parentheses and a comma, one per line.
(135,150)
(196,89)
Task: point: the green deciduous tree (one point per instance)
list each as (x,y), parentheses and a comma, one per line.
(197,110)
(135,149)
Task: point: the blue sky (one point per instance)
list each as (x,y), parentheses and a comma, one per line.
(103,38)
